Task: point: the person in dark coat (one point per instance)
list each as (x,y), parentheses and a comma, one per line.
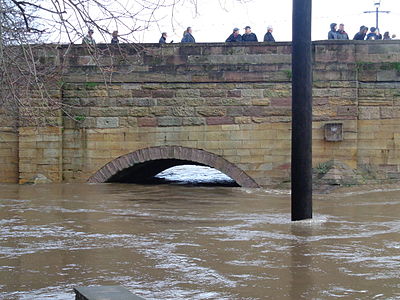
(234,37)
(373,35)
(248,36)
(386,36)
(114,39)
(360,36)
(268,37)
(188,37)
(332,35)
(163,38)
(341,34)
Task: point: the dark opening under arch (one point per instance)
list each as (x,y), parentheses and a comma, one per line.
(145,163)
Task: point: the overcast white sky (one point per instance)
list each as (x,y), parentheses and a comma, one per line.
(215,19)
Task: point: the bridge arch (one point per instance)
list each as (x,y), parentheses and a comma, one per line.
(148,162)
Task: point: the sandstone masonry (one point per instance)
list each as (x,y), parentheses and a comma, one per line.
(231,101)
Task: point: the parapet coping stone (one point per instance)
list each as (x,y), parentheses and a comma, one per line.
(219,44)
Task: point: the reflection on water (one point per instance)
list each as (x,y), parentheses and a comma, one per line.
(175,242)
(195,175)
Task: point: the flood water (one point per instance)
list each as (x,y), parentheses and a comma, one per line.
(178,242)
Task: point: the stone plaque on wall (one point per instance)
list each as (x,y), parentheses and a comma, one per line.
(334,132)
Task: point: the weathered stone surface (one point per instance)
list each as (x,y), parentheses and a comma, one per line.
(147,122)
(169,121)
(347,111)
(369,113)
(281,101)
(234,93)
(229,100)
(193,121)
(211,111)
(38,179)
(163,94)
(188,93)
(220,120)
(107,122)
(335,172)
(213,93)
(182,111)
(138,111)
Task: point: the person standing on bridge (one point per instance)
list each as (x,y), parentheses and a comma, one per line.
(188,37)
(332,35)
(360,36)
(341,34)
(88,39)
(163,38)
(248,36)
(234,37)
(268,37)
(386,36)
(374,34)
(114,39)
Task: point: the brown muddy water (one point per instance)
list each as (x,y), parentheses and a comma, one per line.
(177,242)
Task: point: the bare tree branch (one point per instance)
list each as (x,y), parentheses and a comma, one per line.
(27,93)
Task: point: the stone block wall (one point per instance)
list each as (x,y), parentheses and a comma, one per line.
(8,146)
(40,152)
(8,155)
(231,100)
(29,130)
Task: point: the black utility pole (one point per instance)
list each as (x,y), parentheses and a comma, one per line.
(377,4)
(301,111)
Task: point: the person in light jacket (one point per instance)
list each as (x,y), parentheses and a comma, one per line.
(88,39)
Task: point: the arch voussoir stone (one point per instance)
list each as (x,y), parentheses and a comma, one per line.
(173,153)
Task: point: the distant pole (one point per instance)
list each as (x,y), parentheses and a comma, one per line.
(301,111)
(377,4)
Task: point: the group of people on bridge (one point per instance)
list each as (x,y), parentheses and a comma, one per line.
(249,36)
(188,37)
(341,34)
(235,37)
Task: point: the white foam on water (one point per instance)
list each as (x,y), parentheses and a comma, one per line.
(193,174)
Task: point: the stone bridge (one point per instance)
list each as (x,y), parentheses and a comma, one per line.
(127,113)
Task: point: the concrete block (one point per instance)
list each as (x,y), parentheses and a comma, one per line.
(104,293)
